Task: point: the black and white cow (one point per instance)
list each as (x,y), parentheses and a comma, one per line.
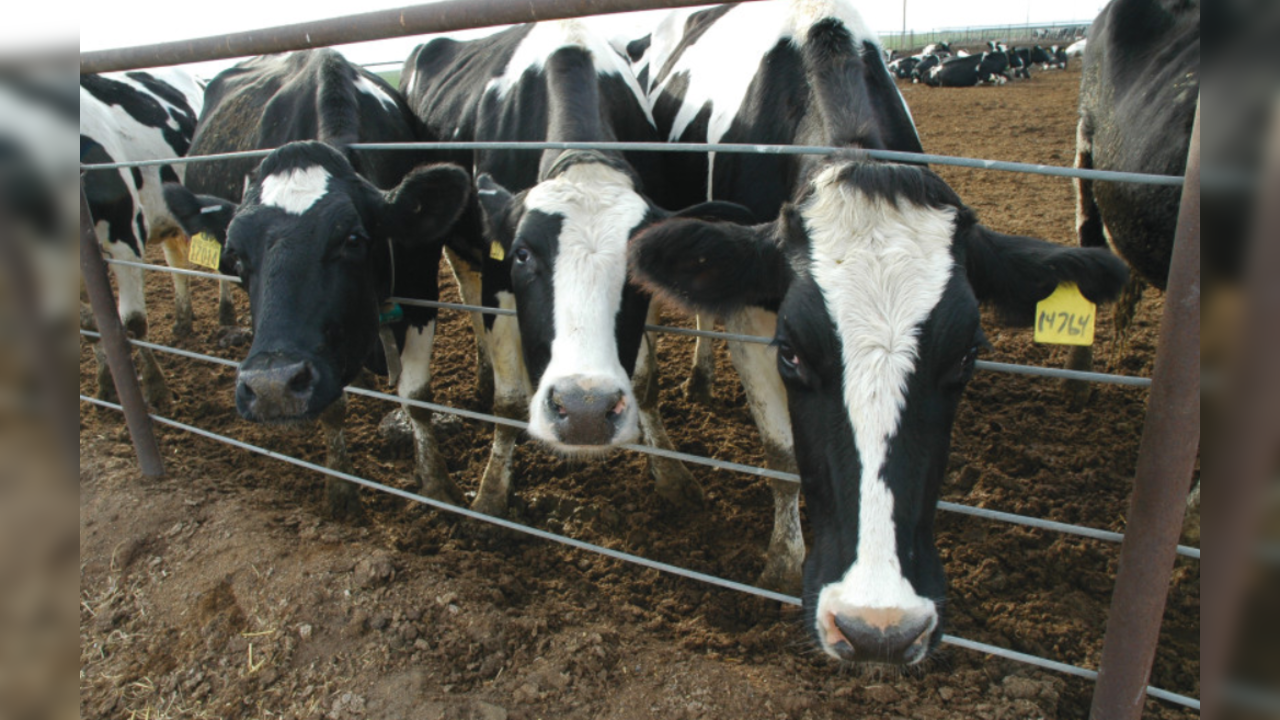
(551,238)
(902,67)
(805,73)
(989,67)
(138,116)
(321,237)
(941,49)
(926,64)
(876,272)
(1138,95)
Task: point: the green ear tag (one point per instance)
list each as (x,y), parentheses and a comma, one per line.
(391,312)
(1065,317)
(496,252)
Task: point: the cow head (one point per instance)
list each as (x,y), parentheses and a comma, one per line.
(878,271)
(565,242)
(313,245)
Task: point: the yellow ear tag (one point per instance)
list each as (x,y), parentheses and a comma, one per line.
(496,252)
(205,251)
(1065,317)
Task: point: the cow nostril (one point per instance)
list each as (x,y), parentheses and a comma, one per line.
(620,406)
(247,389)
(302,380)
(556,404)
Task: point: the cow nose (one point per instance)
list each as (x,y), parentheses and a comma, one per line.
(275,387)
(585,412)
(882,635)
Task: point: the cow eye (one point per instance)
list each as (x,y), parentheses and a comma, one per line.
(787,355)
(962,371)
(521,255)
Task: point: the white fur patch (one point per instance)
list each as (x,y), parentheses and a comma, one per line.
(745,34)
(369,87)
(600,208)
(415,359)
(882,270)
(295,191)
(547,37)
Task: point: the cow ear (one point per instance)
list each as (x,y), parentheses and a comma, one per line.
(199,213)
(496,204)
(428,202)
(710,266)
(1015,272)
(719,210)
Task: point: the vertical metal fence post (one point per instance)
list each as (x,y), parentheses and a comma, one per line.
(1250,439)
(119,357)
(1166,459)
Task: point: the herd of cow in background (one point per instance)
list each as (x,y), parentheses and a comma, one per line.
(938,66)
(869,275)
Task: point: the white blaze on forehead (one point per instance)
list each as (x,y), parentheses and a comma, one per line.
(881,269)
(295,191)
(600,208)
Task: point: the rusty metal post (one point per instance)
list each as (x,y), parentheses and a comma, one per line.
(1166,460)
(445,16)
(119,357)
(1250,437)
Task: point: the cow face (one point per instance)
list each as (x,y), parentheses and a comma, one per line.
(313,245)
(878,271)
(580,321)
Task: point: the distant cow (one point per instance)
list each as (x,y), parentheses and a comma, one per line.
(138,116)
(321,237)
(989,67)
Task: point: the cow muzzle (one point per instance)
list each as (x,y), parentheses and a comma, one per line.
(276,387)
(584,413)
(892,636)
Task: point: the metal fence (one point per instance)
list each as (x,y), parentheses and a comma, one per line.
(1057,33)
(1160,481)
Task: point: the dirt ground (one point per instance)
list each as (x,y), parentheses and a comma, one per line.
(221,590)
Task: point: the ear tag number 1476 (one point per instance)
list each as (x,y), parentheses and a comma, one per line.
(205,251)
(1065,318)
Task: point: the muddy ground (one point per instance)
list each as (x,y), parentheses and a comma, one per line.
(221,590)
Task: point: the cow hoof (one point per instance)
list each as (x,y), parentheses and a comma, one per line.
(1078,393)
(491,504)
(697,389)
(781,577)
(226,313)
(441,489)
(183,324)
(343,500)
(675,484)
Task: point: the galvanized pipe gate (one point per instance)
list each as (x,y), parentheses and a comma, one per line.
(1167,452)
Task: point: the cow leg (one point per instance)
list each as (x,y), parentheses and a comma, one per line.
(226,306)
(757,365)
(510,400)
(1191,525)
(341,496)
(133,313)
(1122,315)
(672,479)
(430,469)
(702,376)
(176,249)
(469,287)
(1090,233)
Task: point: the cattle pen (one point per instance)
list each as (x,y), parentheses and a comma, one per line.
(1166,458)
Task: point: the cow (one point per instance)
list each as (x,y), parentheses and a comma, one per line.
(940,49)
(138,115)
(548,238)
(969,71)
(1039,56)
(1076,49)
(876,272)
(1138,97)
(320,236)
(902,67)
(921,70)
(805,74)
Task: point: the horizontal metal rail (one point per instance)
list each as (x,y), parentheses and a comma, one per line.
(959,509)
(1006,653)
(1033,370)
(893,155)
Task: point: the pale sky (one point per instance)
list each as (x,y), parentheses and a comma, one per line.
(108,24)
